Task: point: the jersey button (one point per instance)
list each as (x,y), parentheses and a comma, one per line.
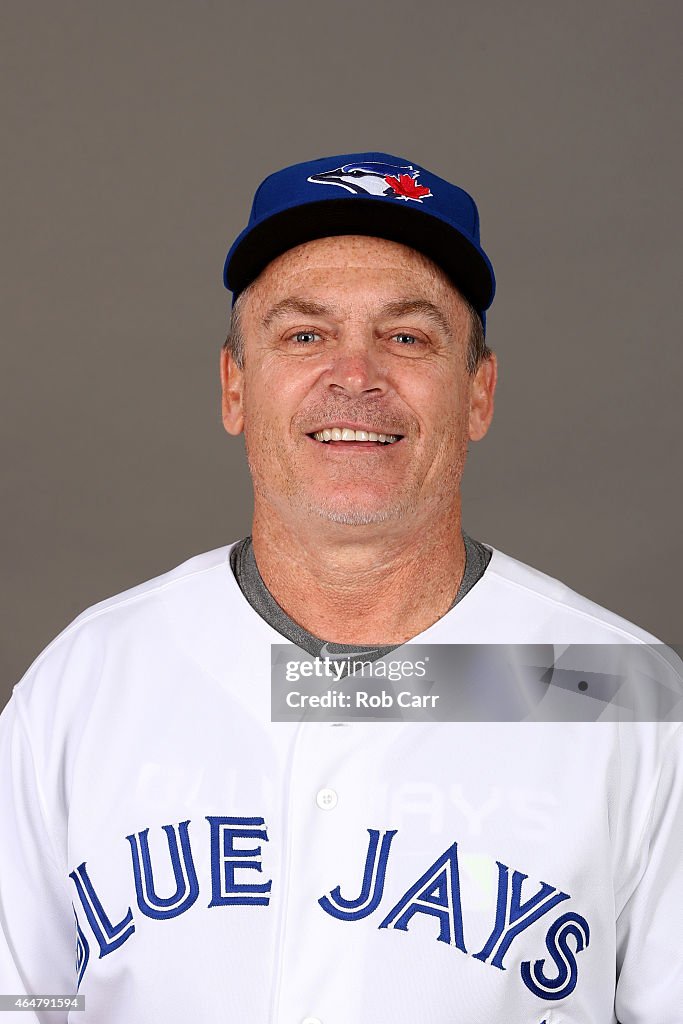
(326,799)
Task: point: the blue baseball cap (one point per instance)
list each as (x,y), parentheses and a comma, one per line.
(365,194)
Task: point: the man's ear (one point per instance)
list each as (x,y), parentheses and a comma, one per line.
(482,390)
(232,388)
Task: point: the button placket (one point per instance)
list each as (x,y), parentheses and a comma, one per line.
(324,779)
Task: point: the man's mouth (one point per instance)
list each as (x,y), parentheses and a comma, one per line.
(328,434)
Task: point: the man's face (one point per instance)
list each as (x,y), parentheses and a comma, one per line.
(367,337)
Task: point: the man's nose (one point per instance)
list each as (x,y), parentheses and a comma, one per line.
(356,368)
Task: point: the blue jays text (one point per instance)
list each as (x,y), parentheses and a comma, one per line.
(236,861)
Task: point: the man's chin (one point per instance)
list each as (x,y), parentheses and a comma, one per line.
(355,517)
(358,514)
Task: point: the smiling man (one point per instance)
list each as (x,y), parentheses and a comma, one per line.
(173,851)
(354,385)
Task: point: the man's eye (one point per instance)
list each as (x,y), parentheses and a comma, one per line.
(305,337)
(405,339)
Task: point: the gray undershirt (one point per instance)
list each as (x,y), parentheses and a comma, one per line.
(250,582)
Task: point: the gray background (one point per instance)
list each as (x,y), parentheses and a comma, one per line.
(134,135)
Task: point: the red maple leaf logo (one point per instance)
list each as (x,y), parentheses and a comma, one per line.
(406,187)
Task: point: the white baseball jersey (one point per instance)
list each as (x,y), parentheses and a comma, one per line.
(175,856)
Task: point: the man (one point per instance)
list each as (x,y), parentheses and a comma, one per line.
(177,855)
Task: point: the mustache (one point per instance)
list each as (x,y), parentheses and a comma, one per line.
(382,419)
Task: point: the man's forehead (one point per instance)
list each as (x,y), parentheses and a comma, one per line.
(342,251)
(334,270)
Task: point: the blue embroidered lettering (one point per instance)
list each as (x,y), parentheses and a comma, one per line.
(373,882)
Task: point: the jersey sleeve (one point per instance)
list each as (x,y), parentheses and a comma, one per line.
(38,939)
(649,944)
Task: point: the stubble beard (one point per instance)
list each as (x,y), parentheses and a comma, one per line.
(401,504)
(359,516)
(335,510)
(405,503)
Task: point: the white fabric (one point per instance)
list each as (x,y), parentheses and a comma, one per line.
(153,709)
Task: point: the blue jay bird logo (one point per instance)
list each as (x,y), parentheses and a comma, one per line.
(376,179)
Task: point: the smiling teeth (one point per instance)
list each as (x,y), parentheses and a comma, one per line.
(346,434)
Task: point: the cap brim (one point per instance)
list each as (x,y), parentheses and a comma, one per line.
(466,264)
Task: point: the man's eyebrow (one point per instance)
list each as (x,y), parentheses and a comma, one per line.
(294,305)
(398,308)
(406,307)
